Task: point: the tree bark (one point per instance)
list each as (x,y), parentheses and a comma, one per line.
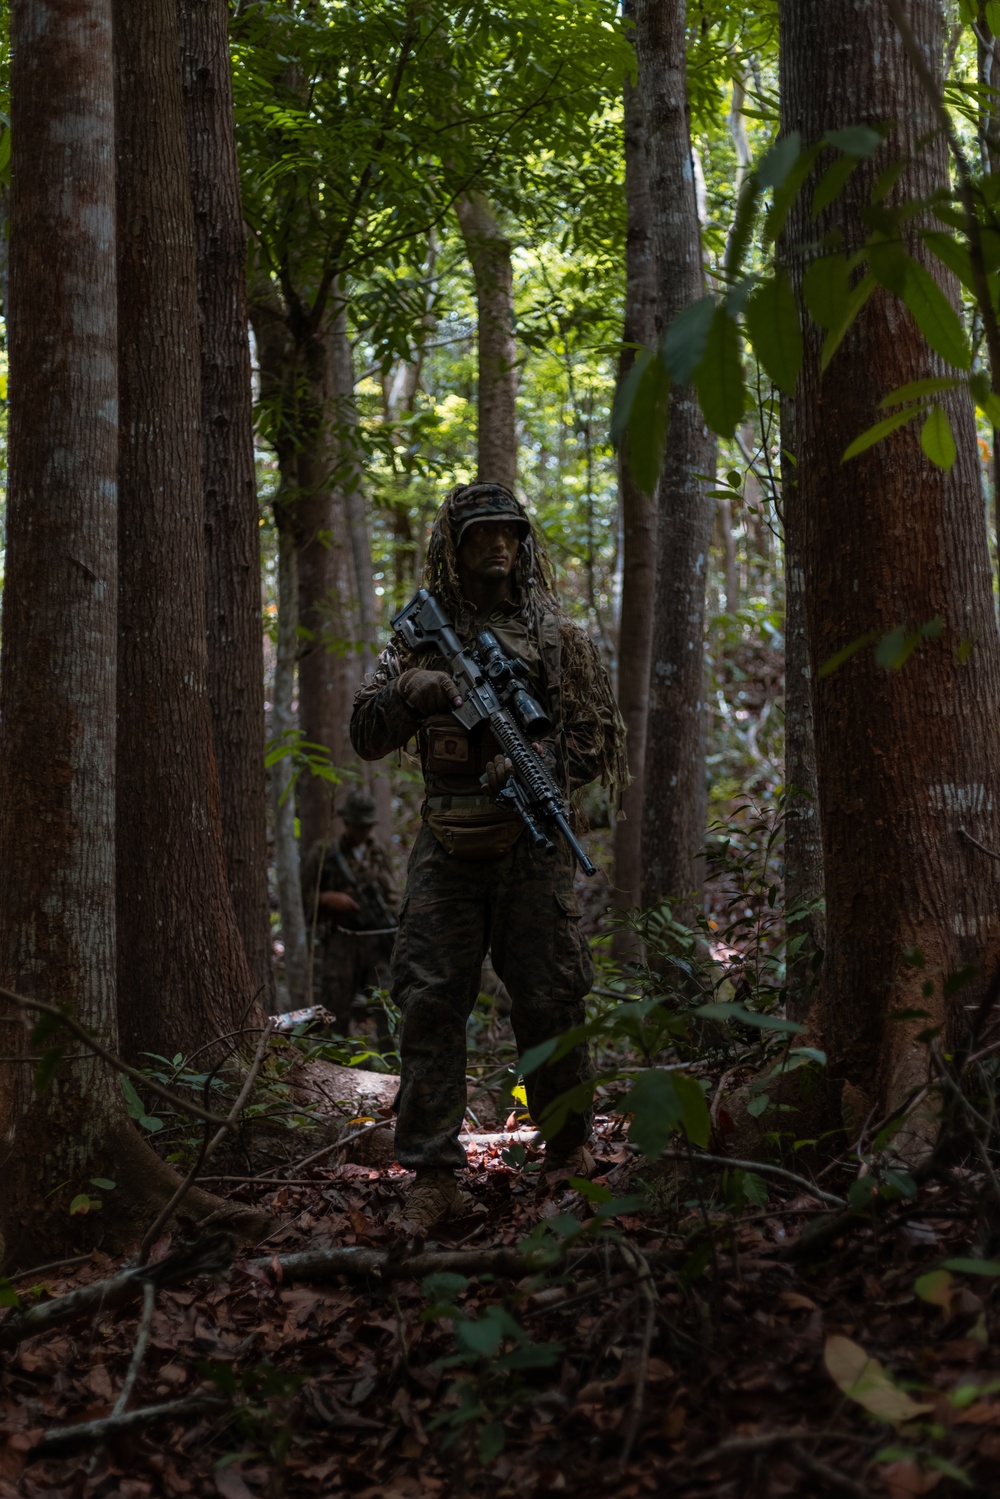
(182,972)
(805,930)
(232,547)
(675,801)
(906,759)
(489,254)
(59,655)
(988,68)
(638,515)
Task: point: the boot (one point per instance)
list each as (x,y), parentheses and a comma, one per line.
(433,1198)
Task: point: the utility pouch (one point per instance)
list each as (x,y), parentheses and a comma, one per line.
(471,836)
(448,747)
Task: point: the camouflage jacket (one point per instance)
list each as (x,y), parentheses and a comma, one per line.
(361,871)
(453,759)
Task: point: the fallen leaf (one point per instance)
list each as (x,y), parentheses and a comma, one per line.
(230,1485)
(865,1380)
(905,1478)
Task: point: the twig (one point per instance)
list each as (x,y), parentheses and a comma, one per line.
(647,1289)
(182,1105)
(209,1147)
(139,1352)
(77,1259)
(63,1439)
(981,846)
(318,1155)
(747,1446)
(763,1166)
(107,1295)
(840,1482)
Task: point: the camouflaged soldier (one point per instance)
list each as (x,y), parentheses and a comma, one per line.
(475,880)
(347,888)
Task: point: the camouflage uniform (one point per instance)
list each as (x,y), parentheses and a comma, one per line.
(346,965)
(515,898)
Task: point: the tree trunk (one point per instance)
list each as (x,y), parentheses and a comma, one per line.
(907,759)
(232,547)
(58,668)
(286,850)
(489,254)
(182,972)
(805,929)
(988,67)
(638,517)
(350,481)
(727,547)
(674,814)
(328,624)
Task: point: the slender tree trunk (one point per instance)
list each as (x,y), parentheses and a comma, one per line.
(674,814)
(328,625)
(803,837)
(907,760)
(182,972)
(286,850)
(727,546)
(988,66)
(59,654)
(638,516)
(232,547)
(350,481)
(489,254)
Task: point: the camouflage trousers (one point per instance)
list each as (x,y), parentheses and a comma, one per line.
(345,965)
(523,906)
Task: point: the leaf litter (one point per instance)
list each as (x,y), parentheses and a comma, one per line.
(686,1350)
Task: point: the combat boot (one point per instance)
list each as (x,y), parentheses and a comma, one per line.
(433,1198)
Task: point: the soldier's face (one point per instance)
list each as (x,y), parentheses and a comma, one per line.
(488,550)
(355,833)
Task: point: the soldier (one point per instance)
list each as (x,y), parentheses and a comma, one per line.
(347,888)
(474,881)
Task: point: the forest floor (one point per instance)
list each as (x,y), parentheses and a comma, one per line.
(679,1347)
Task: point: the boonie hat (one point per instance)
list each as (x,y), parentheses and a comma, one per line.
(358,810)
(470,504)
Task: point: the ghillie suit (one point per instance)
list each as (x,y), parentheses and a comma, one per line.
(474,881)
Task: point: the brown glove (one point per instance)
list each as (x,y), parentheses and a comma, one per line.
(426,692)
(339,902)
(496,775)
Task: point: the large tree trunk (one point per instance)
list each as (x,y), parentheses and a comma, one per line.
(489,254)
(674,813)
(638,516)
(232,548)
(907,759)
(58,668)
(182,971)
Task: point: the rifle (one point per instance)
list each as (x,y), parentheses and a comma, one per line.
(373,908)
(493,691)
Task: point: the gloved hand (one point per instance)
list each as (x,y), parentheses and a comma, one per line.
(428,692)
(496,774)
(339,902)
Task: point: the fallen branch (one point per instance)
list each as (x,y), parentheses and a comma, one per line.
(205,1255)
(182,1105)
(63,1439)
(362,1263)
(839,1482)
(790,1439)
(764,1167)
(139,1351)
(208,1149)
(638,1263)
(308,1160)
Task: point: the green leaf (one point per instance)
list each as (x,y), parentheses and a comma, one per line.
(772,319)
(8,1296)
(935,1287)
(719,377)
(754,1189)
(835,662)
(658,1106)
(935,317)
(879,431)
(865,1380)
(951,252)
(102,1182)
(81,1204)
(733,1010)
(859,296)
(832,183)
(826,289)
(993,16)
(936,438)
(536,1056)
(492,1441)
(774,166)
(917,388)
(889,264)
(47,1068)
(855,140)
(483,1336)
(695,1117)
(757,1105)
(973,1267)
(686,339)
(647,422)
